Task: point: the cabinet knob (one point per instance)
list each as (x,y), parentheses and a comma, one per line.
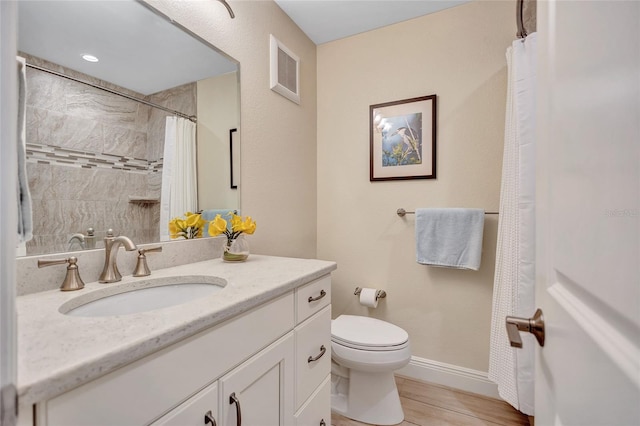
(317,357)
(208,418)
(233,399)
(322,423)
(322,294)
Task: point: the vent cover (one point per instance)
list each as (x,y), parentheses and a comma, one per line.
(285,71)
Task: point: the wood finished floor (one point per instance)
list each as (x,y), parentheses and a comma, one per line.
(425,404)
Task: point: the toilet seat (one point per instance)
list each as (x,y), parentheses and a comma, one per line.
(368,334)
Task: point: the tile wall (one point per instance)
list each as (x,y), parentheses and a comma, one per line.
(88,152)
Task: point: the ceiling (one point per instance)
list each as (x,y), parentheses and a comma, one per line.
(144,52)
(327,20)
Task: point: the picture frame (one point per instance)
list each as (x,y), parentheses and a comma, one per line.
(234,158)
(284,73)
(403,139)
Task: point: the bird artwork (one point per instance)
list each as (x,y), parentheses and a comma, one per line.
(410,142)
(402,138)
(401,146)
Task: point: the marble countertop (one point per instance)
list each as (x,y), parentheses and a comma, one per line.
(58,352)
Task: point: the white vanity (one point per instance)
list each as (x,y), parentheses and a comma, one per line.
(257,350)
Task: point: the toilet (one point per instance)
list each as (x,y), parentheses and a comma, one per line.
(365,353)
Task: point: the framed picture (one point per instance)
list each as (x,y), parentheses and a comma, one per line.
(403,139)
(234,157)
(284,70)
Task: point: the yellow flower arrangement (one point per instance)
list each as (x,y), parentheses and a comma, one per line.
(188,228)
(239,225)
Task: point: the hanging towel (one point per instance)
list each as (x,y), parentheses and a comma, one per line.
(449,237)
(25,219)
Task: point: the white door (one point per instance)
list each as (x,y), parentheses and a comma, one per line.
(260,391)
(588,198)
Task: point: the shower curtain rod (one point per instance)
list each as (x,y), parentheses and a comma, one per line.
(115,92)
(522,32)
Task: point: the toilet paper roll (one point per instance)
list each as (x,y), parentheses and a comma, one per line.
(368,297)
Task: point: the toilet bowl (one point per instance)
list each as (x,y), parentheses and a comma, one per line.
(365,353)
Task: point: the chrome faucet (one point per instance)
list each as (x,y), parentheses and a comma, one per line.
(110,273)
(79,237)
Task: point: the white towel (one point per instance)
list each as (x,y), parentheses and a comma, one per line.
(25,219)
(449,237)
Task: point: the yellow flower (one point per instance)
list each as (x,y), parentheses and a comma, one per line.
(173,229)
(188,228)
(217,226)
(248,226)
(236,222)
(194,220)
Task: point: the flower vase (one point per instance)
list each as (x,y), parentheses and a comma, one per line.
(236,250)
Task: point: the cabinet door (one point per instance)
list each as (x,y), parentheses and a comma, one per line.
(260,390)
(199,410)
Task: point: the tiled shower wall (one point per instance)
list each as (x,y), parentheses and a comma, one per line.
(89,152)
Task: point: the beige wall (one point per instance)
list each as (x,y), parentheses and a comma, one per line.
(458,54)
(278,137)
(217,113)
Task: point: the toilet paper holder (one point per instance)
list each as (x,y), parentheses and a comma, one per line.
(379,294)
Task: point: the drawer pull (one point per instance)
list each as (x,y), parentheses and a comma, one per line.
(322,294)
(322,423)
(208,418)
(233,399)
(317,357)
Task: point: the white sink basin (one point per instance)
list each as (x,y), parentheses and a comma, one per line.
(157,294)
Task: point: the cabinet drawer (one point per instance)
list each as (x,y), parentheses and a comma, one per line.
(312,297)
(317,410)
(313,353)
(192,412)
(153,385)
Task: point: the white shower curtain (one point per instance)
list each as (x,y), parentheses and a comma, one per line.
(514,284)
(179,179)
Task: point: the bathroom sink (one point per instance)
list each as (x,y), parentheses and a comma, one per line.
(157,294)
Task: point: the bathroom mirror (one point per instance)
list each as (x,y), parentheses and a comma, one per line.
(94,156)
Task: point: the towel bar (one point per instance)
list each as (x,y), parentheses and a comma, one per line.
(402,212)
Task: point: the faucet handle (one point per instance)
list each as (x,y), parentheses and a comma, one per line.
(142,269)
(72,280)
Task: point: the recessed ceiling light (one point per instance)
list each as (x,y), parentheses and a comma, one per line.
(89,58)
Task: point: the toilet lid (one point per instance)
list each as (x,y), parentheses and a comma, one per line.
(367,332)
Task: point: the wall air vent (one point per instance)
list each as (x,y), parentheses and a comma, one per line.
(285,71)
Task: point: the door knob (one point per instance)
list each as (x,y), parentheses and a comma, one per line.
(533,325)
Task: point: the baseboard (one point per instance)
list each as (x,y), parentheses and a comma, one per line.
(449,375)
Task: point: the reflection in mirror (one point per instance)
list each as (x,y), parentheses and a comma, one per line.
(95,157)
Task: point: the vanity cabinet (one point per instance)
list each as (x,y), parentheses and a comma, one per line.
(271,365)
